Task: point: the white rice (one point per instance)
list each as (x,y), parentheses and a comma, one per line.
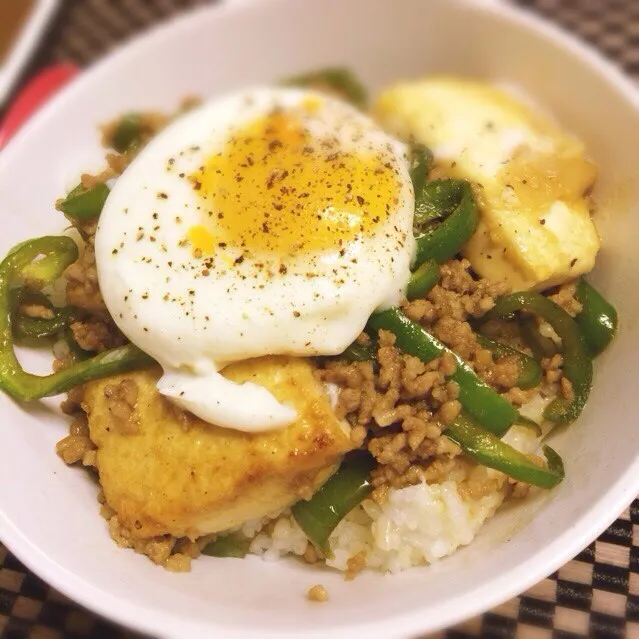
(417,525)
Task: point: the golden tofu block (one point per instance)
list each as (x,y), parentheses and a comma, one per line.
(164,474)
(530,178)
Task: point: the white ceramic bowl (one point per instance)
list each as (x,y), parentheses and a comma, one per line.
(48,513)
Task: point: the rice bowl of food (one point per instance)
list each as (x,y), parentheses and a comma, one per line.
(339,330)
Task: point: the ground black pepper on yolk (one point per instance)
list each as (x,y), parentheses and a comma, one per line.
(275,188)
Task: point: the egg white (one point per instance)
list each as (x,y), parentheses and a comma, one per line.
(194,325)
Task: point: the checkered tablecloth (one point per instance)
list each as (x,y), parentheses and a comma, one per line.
(595,595)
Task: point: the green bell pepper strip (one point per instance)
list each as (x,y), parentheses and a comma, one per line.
(13,378)
(360,352)
(25,295)
(598,318)
(50,266)
(84,204)
(434,201)
(231,545)
(444,240)
(531,424)
(420,283)
(419,170)
(349,486)
(539,345)
(529,369)
(577,362)
(34,327)
(127,133)
(489,408)
(422,280)
(490,451)
(335,79)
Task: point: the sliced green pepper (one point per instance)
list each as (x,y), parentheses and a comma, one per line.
(127,133)
(419,170)
(50,266)
(539,345)
(531,424)
(84,204)
(360,352)
(231,545)
(490,451)
(13,378)
(598,318)
(577,362)
(489,408)
(35,327)
(434,202)
(350,485)
(423,280)
(337,80)
(453,200)
(24,295)
(528,367)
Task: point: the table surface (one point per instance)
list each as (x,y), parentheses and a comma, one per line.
(595,595)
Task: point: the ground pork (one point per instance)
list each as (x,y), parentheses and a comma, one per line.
(77,445)
(96,334)
(161,550)
(399,407)
(565,297)
(83,290)
(317,593)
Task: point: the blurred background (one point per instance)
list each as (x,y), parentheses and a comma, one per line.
(81,31)
(44,43)
(86,29)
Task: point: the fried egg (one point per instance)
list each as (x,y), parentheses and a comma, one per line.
(272,221)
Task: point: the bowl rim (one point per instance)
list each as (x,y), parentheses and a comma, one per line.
(504,586)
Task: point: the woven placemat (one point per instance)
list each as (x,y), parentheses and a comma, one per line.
(595,595)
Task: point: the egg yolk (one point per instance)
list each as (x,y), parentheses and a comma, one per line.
(275,188)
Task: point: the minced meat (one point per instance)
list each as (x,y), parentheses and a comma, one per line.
(399,407)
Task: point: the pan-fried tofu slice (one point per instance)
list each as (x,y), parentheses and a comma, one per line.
(163,474)
(529,177)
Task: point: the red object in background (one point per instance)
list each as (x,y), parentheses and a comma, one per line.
(33,95)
